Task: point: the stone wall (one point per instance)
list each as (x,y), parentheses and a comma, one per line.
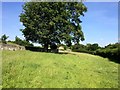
(11,47)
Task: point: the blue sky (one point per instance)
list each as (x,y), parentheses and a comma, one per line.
(100,23)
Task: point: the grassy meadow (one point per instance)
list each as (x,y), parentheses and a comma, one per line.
(26,69)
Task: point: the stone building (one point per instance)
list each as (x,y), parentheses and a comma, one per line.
(11,47)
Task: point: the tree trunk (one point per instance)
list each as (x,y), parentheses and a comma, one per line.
(46,47)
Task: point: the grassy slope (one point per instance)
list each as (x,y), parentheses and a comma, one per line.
(48,70)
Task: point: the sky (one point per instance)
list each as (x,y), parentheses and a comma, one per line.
(99,25)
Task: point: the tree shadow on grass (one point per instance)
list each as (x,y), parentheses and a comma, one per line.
(49,51)
(62,53)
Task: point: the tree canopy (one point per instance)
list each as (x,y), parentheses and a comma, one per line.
(53,22)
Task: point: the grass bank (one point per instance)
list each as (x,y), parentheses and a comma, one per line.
(26,69)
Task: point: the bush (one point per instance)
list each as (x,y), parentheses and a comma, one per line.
(113,54)
(22,42)
(31,48)
(53,46)
(40,49)
(81,48)
(111,51)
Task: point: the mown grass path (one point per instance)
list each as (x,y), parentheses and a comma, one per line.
(26,69)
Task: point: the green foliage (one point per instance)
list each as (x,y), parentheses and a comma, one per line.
(111,51)
(53,46)
(78,47)
(9,41)
(4,38)
(22,42)
(65,47)
(26,69)
(52,22)
(113,46)
(82,48)
(92,47)
(86,48)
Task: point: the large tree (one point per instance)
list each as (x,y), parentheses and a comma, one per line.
(52,22)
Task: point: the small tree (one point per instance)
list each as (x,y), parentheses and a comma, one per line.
(22,42)
(4,38)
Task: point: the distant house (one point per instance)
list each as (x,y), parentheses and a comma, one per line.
(61,48)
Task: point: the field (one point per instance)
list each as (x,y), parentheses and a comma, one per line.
(26,69)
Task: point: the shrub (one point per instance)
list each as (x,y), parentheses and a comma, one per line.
(113,54)
(22,42)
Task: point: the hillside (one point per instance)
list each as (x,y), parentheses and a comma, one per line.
(26,69)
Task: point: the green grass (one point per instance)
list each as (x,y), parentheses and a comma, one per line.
(26,69)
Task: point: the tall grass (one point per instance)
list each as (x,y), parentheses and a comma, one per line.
(26,69)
